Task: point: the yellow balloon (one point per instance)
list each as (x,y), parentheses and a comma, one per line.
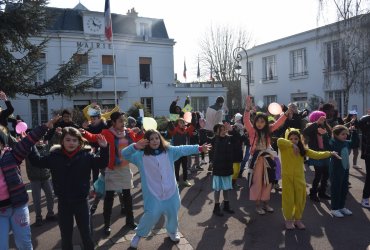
(149,123)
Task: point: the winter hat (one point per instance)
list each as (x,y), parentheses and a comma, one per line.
(131,120)
(353,112)
(3,135)
(94,112)
(315,115)
(238,117)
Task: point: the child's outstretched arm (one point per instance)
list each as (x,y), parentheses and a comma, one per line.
(102,160)
(132,152)
(23,147)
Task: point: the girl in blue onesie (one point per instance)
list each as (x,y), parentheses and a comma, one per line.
(155,159)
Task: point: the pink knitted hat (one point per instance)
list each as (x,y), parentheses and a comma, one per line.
(315,115)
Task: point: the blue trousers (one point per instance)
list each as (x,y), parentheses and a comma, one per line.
(338,186)
(17,220)
(154,208)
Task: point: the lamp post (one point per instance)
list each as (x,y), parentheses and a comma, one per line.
(238,69)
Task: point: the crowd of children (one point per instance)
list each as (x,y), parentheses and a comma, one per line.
(102,148)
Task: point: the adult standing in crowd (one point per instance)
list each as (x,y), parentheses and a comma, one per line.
(364,125)
(5,113)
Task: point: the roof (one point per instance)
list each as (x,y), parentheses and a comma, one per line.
(71,20)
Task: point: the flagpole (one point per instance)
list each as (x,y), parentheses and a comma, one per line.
(114,73)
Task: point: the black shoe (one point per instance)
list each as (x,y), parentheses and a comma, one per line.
(51,217)
(107,230)
(313,197)
(227,208)
(131,225)
(324,196)
(217,210)
(39,222)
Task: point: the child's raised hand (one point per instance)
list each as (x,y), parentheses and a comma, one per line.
(101,140)
(141,144)
(206,147)
(335,154)
(50,123)
(23,134)
(295,149)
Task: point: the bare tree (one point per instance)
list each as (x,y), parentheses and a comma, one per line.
(351,55)
(216,54)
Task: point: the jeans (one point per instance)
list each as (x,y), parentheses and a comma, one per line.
(183,161)
(78,210)
(36,187)
(17,220)
(321,177)
(245,159)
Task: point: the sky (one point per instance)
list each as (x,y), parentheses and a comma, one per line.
(188,20)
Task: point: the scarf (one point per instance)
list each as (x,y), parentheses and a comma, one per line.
(71,154)
(117,137)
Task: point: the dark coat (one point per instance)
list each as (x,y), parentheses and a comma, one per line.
(364,125)
(310,135)
(5,113)
(70,176)
(223,156)
(237,142)
(35,173)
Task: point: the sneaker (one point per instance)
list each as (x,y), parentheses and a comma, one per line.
(260,211)
(289,225)
(337,213)
(175,237)
(135,241)
(357,167)
(365,203)
(186,183)
(345,211)
(267,208)
(299,224)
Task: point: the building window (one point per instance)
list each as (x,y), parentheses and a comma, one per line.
(41,74)
(298,64)
(107,62)
(39,112)
(267,99)
(269,68)
(299,99)
(335,97)
(199,103)
(334,55)
(148,103)
(82,59)
(144,29)
(145,69)
(250,72)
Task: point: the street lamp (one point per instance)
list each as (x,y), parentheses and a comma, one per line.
(238,69)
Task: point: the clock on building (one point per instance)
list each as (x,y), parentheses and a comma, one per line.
(94,24)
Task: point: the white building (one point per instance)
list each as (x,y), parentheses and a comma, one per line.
(294,69)
(144,65)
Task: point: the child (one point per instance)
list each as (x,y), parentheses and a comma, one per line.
(14,212)
(339,170)
(70,164)
(180,137)
(238,138)
(40,179)
(351,122)
(262,161)
(313,133)
(118,174)
(222,168)
(155,159)
(293,179)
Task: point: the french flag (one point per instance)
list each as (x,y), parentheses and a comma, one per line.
(108,21)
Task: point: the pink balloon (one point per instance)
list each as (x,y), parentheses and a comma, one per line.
(21,127)
(275,108)
(187,117)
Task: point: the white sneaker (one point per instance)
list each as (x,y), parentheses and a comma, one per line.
(337,213)
(135,241)
(345,211)
(365,203)
(175,237)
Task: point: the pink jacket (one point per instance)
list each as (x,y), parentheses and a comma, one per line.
(253,134)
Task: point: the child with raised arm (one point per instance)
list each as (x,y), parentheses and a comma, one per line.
(70,164)
(155,158)
(14,214)
(262,165)
(293,178)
